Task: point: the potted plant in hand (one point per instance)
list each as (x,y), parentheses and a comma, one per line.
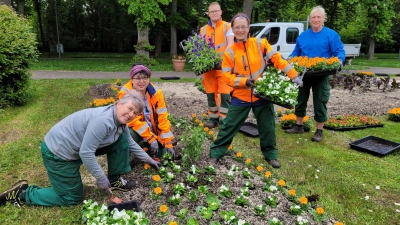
(178,62)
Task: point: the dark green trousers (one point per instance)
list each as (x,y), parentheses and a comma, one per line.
(235,118)
(138,139)
(321,92)
(65,178)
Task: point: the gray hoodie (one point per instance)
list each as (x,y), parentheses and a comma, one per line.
(80,134)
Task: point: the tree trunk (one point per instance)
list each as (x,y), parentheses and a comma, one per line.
(371,42)
(158,44)
(20,7)
(248,7)
(5,2)
(143,39)
(38,10)
(174,48)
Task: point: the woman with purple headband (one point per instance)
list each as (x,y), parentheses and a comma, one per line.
(151,128)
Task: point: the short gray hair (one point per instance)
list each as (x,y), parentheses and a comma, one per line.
(319,9)
(135,97)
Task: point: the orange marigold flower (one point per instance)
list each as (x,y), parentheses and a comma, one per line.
(205,129)
(248,161)
(145,149)
(281,183)
(201,124)
(211,132)
(157,190)
(267,174)
(320,210)
(204,115)
(173,223)
(279,110)
(303,200)
(215,138)
(163,208)
(292,192)
(146,166)
(338,223)
(156,178)
(239,155)
(259,168)
(230,147)
(193,115)
(197,121)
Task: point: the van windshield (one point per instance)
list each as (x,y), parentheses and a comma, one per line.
(255,30)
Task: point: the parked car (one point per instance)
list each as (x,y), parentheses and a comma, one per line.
(282,36)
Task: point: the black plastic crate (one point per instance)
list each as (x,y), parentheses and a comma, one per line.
(319,73)
(170,78)
(249,129)
(129,205)
(375,145)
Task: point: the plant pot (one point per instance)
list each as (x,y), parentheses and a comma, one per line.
(179,65)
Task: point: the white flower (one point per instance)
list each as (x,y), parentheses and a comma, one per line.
(241,222)
(366,197)
(273,188)
(378,187)
(317,171)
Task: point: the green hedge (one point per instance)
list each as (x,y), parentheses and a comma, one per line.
(17,52)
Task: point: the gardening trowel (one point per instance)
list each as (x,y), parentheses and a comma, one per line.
(114,199)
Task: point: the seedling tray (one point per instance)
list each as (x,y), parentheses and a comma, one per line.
(290,127)
(375,145)
(249,129)
(376,125)
(170,78)
(344,128)
(319,73)
(129,205)
(273,102)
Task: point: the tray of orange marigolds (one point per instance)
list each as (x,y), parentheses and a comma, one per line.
(318,66)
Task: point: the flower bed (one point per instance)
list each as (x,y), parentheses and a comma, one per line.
(276,87)
(394,114)
(201,53)
(351,122)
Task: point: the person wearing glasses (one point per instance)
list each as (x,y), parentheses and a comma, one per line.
(218,32)
(319,41)
(78,139)
(151,128)
(242,65)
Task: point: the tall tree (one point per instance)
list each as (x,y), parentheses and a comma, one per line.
(380,14)
(174,48)
(5,2)
(248,7)
(146,12)
(38,9)
(20,7)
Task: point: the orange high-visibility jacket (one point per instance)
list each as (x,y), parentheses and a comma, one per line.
(219,40)
(251,55)
(158,116)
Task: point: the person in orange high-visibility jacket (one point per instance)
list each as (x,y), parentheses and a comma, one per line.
(151,128)
(217,32)
(242,65)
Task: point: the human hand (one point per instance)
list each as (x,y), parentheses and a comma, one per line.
(298,81)
(104,184)
(289,57)
(250,83)
(171,150)
(153,163)
(340,67)
(154,147)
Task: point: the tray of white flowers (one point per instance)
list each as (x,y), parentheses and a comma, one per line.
(276,87)
(201,53)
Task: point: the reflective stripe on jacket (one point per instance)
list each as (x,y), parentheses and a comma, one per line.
(158,117)
(250,56)
(217,34)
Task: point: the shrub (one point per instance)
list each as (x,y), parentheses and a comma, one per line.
(17,52)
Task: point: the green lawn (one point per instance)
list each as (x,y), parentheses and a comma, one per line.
(342,177)
(115,62)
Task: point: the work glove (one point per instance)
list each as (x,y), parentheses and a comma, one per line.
(250,83)
(298,81)
(104,184)
(340,67)
(153,163)
(154,147)
(171,150)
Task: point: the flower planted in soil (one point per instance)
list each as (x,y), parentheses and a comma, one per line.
(157,191)
(195,169)
(229,217)
(163,171)
(169,177)
(248,163)
(301,221)
(193,196)
(212,202)
(304,203)
(204,212)
(242,200)
(182,213)
(176,168)
(245,191)
(270,188)
(239,157)
(295,209)
(292,195)
(210,179)
(281,186)
(246,173)
(191,178)
(248,184)
(394,114)
(225,191)
(259,210)
(163,210)
(318,214)
(275,221)
(147,169)
(180,188)
(175,199)
(267,177)
(167,159)
(156,181)
(210,169)
(259,169)
(271,201)
(203,189)
(230,175)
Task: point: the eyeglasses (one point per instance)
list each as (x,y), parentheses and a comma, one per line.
(140,78)
(214,12)
(240,28)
